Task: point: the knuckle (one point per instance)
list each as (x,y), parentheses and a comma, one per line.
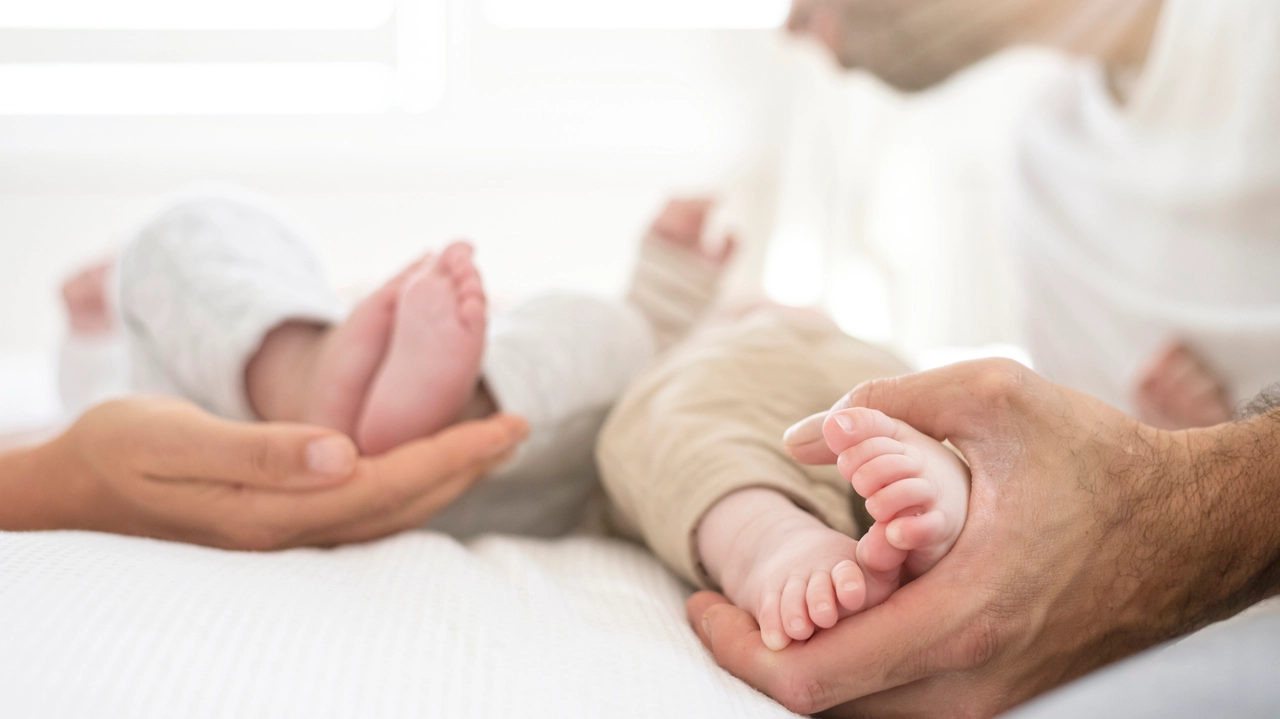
(981,643)
(998,381)
(801,694)
(262,462)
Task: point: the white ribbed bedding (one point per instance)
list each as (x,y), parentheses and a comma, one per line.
(414,626)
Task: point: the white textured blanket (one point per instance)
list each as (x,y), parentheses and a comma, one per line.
(414,626)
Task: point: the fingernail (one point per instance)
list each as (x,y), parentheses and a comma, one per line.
(332,456)
(706,628)
(845,422)
(893,533)
(806,431)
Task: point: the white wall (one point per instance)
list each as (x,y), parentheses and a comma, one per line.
(550,150)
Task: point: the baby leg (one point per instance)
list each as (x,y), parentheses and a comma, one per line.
(677,276)
(693,461)
(202,286)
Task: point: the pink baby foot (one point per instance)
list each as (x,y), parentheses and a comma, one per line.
(682,223)
(792,572)
(916,489)
(432,365)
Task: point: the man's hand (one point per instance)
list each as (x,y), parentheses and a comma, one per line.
(1090,537)
(163,468)
(1177,390)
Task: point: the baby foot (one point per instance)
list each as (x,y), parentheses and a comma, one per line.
(432,365)
(85,297)
(916,489)
(681,225)
(677,276)
(794,573)
(349,355)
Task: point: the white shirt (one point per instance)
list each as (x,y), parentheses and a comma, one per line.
(1159,220)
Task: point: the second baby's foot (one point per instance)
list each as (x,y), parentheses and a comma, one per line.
(682,225)
(86,298)
(792,572)
(916,489)
(432,365)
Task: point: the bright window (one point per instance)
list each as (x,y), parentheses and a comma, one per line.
(637,14)
(195,14)
(196,88)
(222,57)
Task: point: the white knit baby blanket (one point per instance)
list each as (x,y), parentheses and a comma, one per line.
(414,626)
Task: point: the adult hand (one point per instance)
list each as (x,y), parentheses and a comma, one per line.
(1177,390)
(1087,540)
(163,468)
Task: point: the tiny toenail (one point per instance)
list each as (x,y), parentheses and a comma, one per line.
(894,535)
(851,587)
(823,607)
(797,625)
(845,422)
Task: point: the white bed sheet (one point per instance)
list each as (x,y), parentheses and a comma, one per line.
(413,626)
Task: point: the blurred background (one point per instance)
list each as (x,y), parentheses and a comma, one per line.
(547,131)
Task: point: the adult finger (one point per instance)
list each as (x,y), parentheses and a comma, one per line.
(182,442)
(448,462)
(939,403)
(415,513)
(866,654)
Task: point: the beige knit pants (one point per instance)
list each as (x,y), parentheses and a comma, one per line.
(707,418)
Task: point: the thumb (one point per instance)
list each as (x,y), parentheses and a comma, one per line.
(939,403)
(193,445)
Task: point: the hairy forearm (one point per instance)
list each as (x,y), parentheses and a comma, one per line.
(1201,533)
(1237,484)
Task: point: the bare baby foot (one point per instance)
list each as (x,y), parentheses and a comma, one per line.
(432,365)
(794,573)
(306,372)
(682,225)
(86,299)
(916,489)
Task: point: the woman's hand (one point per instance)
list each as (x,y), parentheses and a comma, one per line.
(163,468)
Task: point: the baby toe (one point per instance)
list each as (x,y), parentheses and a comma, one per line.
(852,459)
(900,496)
(795,610)
(821,600)
(472,311)
(911,533)
(850,427)
(876,554)
(850,587)
(470,286)
(457,256)
(881,471)
(770,619)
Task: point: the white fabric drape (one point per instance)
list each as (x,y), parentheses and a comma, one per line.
(1160,220)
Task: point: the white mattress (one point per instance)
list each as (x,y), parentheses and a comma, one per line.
(414,626)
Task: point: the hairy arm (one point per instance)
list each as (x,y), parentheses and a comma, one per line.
(1090,538)
(1233,490)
